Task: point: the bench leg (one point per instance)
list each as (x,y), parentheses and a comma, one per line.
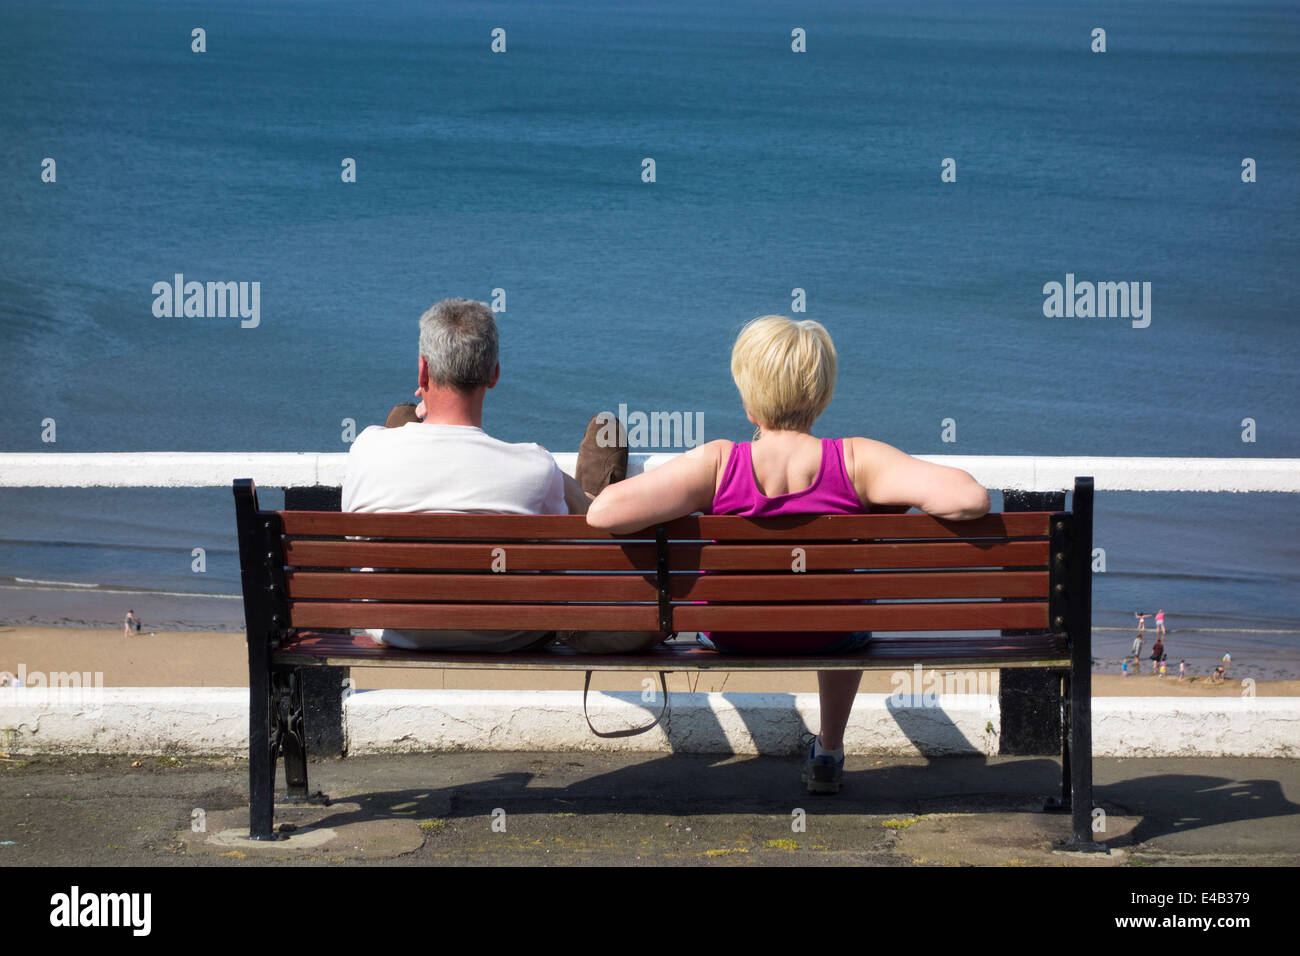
(1062,803)
(293,742)
(1080,772)
(291,731)
(262,752)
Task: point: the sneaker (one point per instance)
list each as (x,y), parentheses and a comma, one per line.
(822,774)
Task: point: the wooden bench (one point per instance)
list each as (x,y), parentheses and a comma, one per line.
(1026,575)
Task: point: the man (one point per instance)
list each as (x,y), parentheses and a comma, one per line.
(447,463)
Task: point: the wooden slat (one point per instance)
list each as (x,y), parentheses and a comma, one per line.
(783,588)
(484,588)
(710,527)
(884,652)
(813,586)
(682,557)
(865,617)
(829,557)
(471,527)
(1024,524)
(504,617)
(686,617)
(468,557)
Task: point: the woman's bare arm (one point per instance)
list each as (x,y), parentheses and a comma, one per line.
(683,486)
(884,475)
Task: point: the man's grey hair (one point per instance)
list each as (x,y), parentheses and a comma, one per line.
(458,339)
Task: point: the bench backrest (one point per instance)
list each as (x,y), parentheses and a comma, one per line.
(1016,570)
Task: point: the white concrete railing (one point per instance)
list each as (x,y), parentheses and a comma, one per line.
(214,720)
(306,469)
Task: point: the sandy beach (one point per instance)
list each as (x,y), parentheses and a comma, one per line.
(218,659)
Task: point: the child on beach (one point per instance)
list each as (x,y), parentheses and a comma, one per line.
(1221,671)
(1182,670)
(131,622)
(1142,621)
(1137,645)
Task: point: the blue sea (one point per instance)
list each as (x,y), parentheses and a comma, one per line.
(773,171)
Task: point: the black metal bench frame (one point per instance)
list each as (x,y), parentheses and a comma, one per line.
(277,650)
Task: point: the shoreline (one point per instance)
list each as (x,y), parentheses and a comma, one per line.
(219,659)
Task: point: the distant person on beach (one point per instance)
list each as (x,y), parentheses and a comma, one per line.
(785,372)
(1160,622)
(131,623)
(1182,670)
(1137,645)
(436,457)
(1142,621)
(1221,671)
(1157,655)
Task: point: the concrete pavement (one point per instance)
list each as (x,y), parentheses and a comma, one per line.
(644,809)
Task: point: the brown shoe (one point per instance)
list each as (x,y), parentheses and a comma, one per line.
(602,456)
(401,415)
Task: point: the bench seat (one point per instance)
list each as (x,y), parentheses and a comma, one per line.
(308,648)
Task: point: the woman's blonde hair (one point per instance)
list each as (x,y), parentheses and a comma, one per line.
(785,371)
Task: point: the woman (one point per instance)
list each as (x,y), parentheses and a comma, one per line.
(785,371)
(1157,655)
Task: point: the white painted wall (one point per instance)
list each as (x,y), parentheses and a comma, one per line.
(197,720)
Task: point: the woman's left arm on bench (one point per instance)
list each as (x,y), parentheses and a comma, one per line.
(683,486)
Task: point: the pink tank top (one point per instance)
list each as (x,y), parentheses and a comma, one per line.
(831,492)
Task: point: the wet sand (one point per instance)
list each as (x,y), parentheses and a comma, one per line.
(219,659)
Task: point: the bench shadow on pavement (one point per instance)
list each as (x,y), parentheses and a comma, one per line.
(686,784)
